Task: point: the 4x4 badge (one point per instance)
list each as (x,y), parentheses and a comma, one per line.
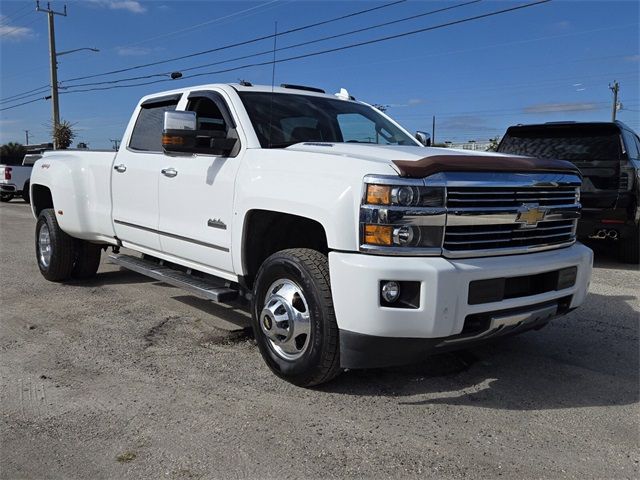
(529,214)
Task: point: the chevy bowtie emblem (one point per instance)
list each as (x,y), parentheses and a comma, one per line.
(530,214)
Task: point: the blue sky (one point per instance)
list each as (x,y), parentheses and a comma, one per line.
(550,62)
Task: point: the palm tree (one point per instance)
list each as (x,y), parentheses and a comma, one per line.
(63,134)
(12,153)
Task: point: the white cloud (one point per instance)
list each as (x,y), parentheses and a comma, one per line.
(132,6)
(133,51)
(415,101)
(13,32)
(560,107)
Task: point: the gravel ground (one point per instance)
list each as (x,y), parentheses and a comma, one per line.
(125,377)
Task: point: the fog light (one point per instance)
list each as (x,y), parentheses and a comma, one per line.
(390,291)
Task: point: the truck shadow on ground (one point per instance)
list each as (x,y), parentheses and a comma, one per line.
(605,255)
(113,277)
(581,360)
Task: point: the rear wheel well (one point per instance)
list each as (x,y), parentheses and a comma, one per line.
(41,198)
(266,233)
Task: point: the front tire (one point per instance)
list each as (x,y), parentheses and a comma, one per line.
(293,318)
(55,250)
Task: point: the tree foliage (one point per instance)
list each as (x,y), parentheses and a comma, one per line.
(12,153)
(493,144)
(63,134)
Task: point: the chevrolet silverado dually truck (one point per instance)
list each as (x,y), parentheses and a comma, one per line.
(355,244)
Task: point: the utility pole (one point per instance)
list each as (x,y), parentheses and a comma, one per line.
(26,134)
(433,130)
(116,143)
(615,88)
(53,64)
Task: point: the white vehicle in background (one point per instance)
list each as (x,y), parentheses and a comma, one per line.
(14,179)
(355,244)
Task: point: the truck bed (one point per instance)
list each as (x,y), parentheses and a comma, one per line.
(83,190)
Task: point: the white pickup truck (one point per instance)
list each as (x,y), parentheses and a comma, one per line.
(356,245)
(14,179)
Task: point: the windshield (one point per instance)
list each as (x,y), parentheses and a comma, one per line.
(573,145)
(280,120)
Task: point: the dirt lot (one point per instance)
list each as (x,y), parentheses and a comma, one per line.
(124,377)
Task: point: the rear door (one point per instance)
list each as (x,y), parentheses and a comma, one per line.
(135,177)
(596,149)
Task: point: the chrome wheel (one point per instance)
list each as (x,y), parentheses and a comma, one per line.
(44,245)
(285,319)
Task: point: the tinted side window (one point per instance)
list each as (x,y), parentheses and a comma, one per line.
(147,133)
(630,145)
(210,117)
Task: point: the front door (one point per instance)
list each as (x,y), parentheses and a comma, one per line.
(136,172)
(196,192)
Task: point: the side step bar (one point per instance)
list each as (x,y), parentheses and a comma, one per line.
(198,286)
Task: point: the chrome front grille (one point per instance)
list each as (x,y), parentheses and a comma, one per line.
(498,214)
(461,197)
(475,237)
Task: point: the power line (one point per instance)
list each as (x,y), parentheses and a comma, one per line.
(13,18)
(196,26)
(288,47)
(12,97)
(331,50)
(23,97)
(238,44)
(19,27)
(24,103)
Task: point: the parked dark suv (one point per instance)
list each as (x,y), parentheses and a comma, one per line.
(607,154)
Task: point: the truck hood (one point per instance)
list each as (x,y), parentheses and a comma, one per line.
(418,162)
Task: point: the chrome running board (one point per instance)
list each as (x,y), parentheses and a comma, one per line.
(215,291)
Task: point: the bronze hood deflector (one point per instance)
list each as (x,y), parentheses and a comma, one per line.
(479,163)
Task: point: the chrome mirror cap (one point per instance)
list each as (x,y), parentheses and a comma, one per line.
(424,138)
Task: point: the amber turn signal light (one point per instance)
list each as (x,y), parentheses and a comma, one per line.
(378,194)
(172,140)
(378,235)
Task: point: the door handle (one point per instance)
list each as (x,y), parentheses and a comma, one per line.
(120,168)
(169,172)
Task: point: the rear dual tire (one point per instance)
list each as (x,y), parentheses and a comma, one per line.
(61,257)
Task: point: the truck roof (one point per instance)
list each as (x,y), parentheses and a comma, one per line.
(568,123)
(247,87)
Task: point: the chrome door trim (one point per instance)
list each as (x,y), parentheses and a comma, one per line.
(171,235)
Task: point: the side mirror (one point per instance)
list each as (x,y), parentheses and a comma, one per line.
(179,132)
(181,135)
(424,138)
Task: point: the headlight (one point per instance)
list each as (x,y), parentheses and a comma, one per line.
(396,217)
(405,195)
